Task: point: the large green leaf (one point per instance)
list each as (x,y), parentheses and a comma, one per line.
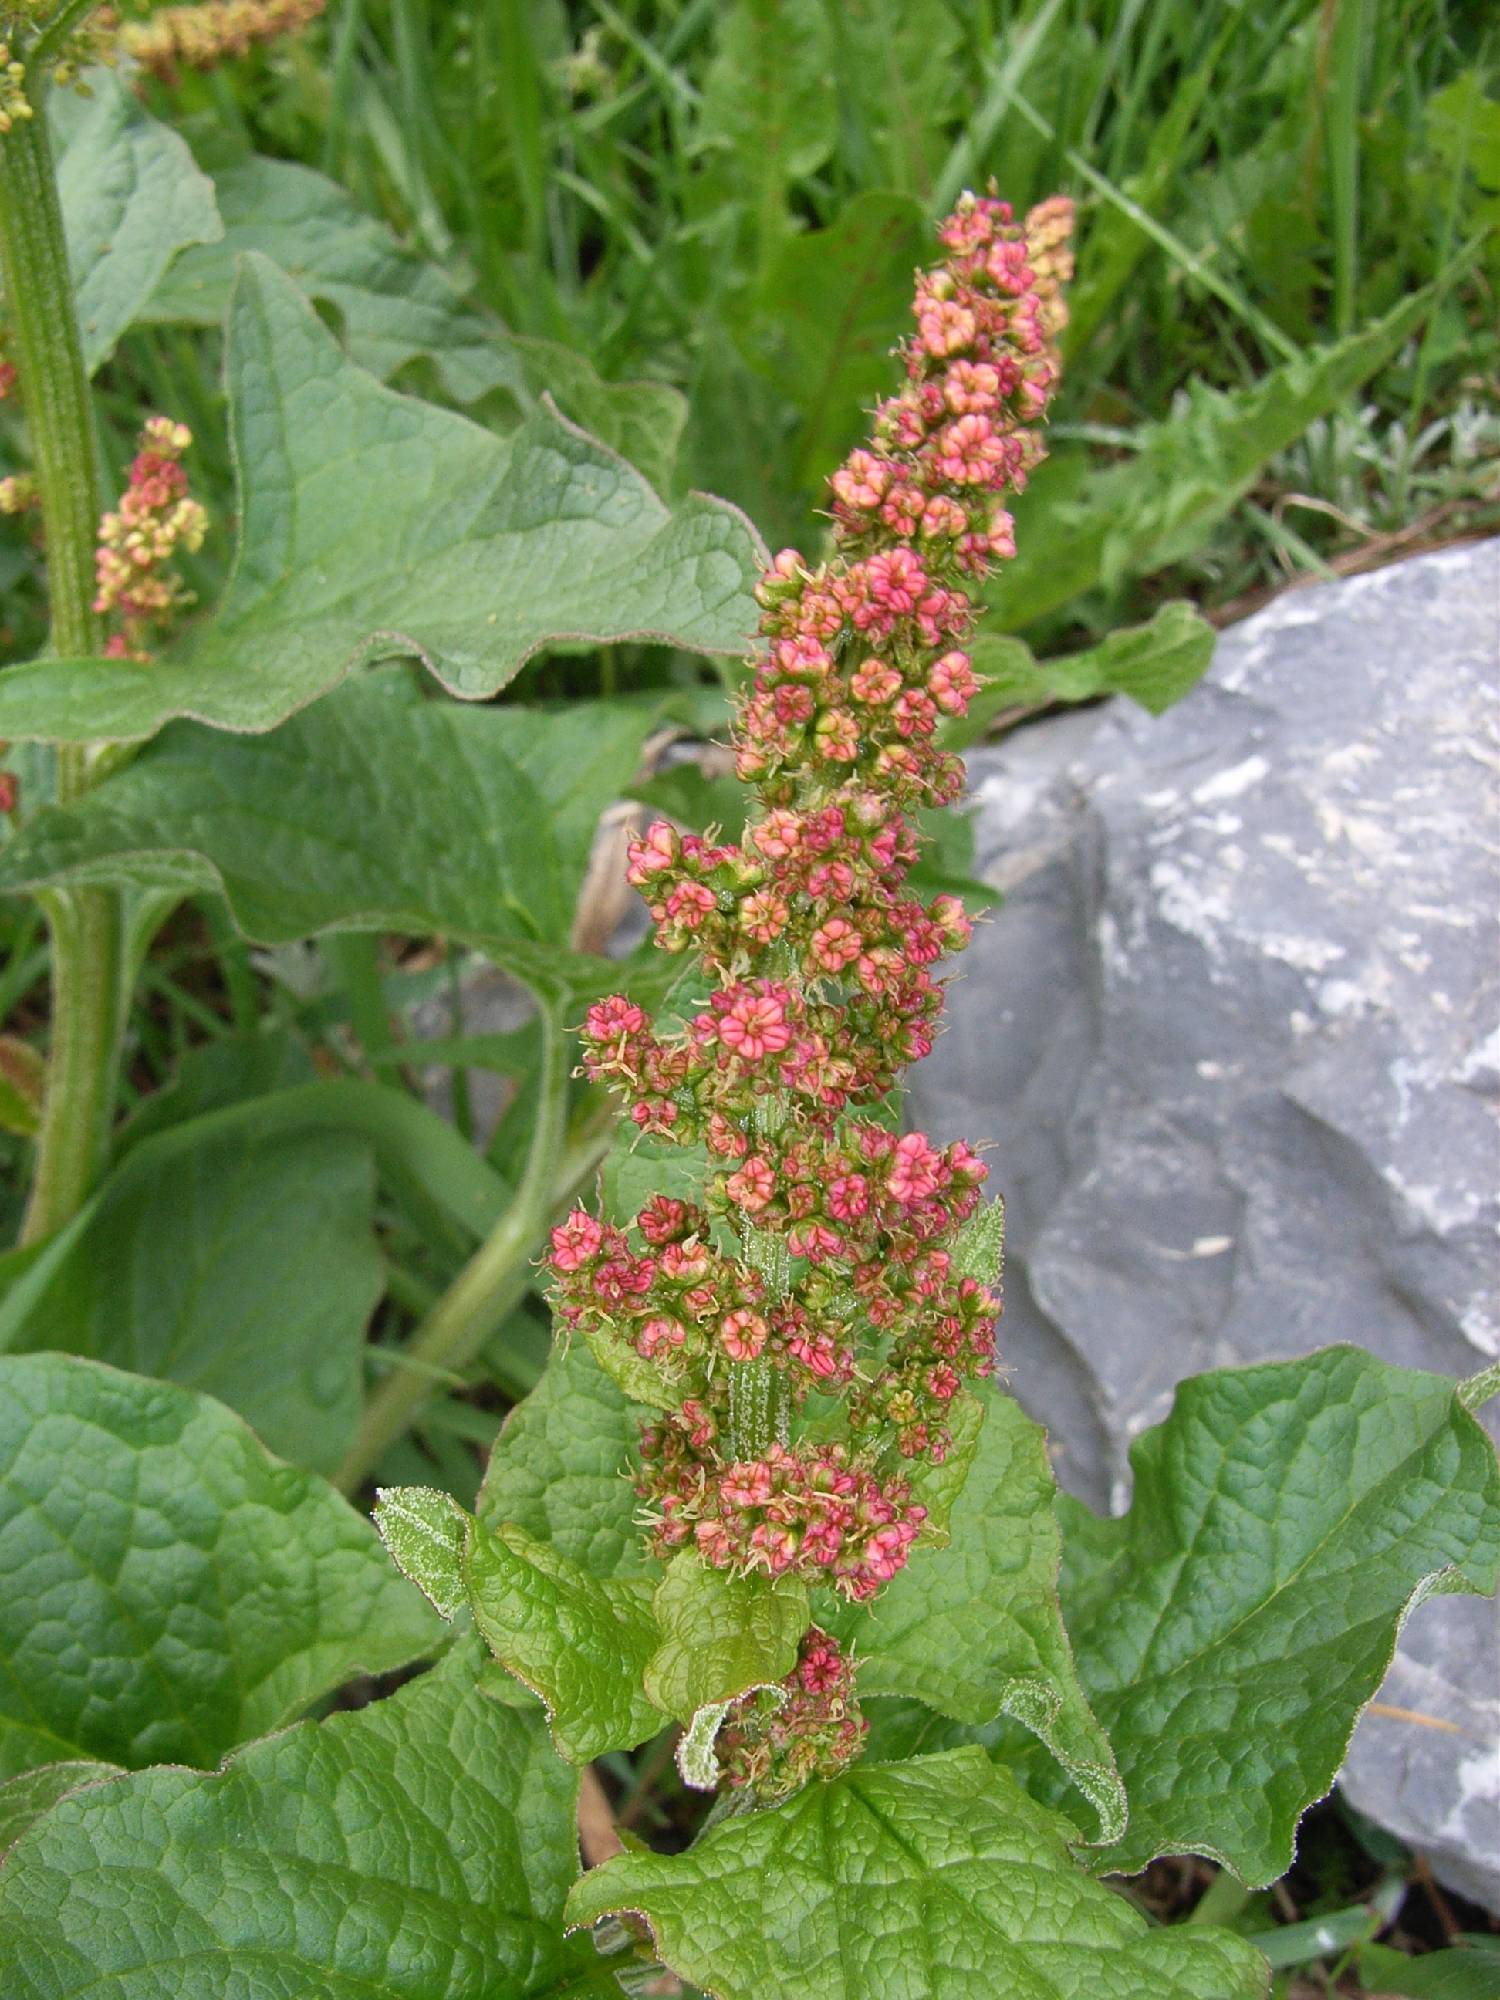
(171,1278)
(374,525)
(395,308)
(832,306)
(375,809)
(171,1588)
(1155,664)
(25,1797)
(563,1466)
(417,1849)
(933,1880)
(1081,528)
(721,1635)
(131,199)
(1231,1627)
(974,1630)
(581,1642)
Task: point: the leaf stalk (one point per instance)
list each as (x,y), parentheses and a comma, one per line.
(485,1290)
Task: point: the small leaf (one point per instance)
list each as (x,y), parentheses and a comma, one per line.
(211,1592)
(563,1466)
(1192,468)
(449,545)
(580,1642)
(424,1530)
(935,1880)
(641,1380)
(974,1630)
(979,1251)
(419,1847)
(169,1277)
(24,1798)
(721,1634)
(1231,1627)
(23,1085)
(1155,664)
(131,198)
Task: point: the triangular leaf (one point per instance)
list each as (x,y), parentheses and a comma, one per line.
(1232,1625)
(211,1592)
(419,1847)
(975,1631)
(373,525)
(580,1642)
(935,1880)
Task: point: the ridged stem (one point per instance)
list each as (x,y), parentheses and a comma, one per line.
(88,948)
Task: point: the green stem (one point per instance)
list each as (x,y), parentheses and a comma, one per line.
(63,22)
(486,1289)
(87,925)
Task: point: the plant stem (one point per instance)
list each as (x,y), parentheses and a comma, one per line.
(87,925)
(68,17)
(488,1286)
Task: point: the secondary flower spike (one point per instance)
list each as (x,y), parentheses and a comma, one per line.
(137,540)
(820,1255)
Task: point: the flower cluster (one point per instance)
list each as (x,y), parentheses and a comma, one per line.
(14,103)
(137,540)
(804,1325)
(173,39)
(776,1740)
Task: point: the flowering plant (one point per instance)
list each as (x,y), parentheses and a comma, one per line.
(768,1506)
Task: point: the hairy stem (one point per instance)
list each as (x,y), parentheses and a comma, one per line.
(87,925)
(486,1289)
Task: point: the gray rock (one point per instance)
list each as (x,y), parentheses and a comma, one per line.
(1234,1035)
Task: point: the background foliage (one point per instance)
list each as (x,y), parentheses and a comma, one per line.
(689,229)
